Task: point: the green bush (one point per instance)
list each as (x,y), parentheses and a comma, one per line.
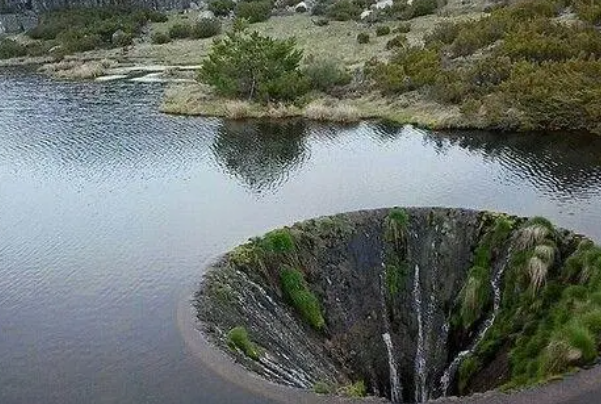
(410,69)
(256,11)
(160,38)
(398,41)
(180,31)
(238,338)
(301,298)
(222,8)
(326,74)
(78,29)
(121,39)
(363,37)
(11,49)
(251,66)
(382,30)
(206,28)
(75,41)
(402,28)
(423,7)
(156,16)
(344,10)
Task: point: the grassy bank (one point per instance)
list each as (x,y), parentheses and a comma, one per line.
(198,100)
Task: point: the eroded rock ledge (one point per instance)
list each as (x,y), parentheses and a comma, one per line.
(409,304)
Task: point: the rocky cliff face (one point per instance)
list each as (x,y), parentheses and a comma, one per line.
(395,298)
(38,6)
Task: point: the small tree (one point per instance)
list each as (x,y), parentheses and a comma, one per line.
(254,67)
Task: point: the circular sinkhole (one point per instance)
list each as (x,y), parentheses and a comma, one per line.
(410,304)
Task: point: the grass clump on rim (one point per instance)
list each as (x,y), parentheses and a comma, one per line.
(238,338)
(396,224)
(278,241)
(296,291)
(355,390)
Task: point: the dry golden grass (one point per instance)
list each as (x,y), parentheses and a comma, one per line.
(339,112)
(76,69)
(198,99)
(531,236)
(537,271)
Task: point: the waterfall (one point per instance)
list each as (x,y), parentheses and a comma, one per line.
(420,354)
(396,390)
(395,384)
(495,283)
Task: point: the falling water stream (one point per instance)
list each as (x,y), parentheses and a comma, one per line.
(396,390)
(420,354)
(495,283)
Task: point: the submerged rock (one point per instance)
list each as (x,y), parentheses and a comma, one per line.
(396,299)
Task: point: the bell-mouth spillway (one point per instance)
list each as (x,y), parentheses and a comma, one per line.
(406,304)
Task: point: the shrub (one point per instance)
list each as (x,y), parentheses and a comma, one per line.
(160,38)
(382,30)
(206,28)
(121,39)
(79,29)
(251,66)
(74,41)
(238,338)
(321,22)
(363,37)
(398,41)
(11,49)
(255,11)
(402,28)
(344,10)
(409,69)
(180,31)
(222,8)
(326,74)
(423,7)
(304,301)
(156,16)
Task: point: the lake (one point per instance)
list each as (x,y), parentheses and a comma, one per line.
(109,212)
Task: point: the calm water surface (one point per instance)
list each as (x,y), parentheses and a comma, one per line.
(109,210)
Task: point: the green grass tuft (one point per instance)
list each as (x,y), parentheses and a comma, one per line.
(355,390)
(301,298)
(278,241)
(238,338)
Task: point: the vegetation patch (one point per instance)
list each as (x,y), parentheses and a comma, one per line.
(83,29)
(525,69)
(296,291)
(238,338)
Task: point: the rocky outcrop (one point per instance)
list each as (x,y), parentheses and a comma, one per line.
(395,298)
(39,6)
(14,23)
